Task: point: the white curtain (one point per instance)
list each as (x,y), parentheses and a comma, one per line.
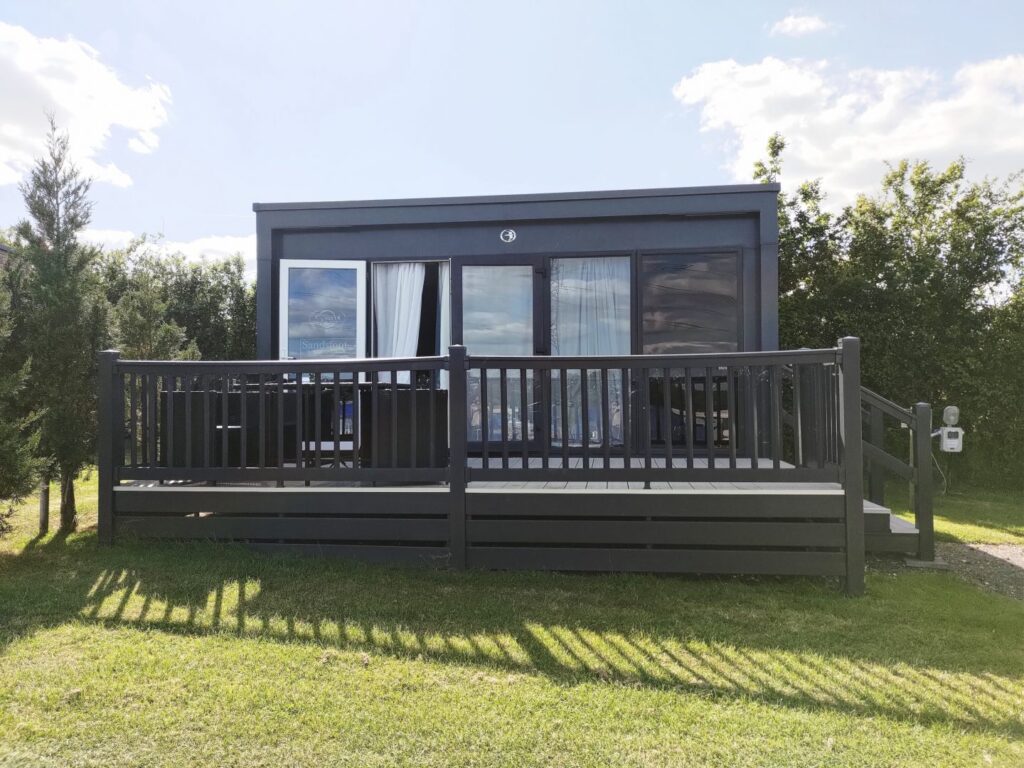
(444,315)
(397,297)
(590,316)
(590,306)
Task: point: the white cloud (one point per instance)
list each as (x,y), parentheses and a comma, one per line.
(87,97)
(842,125)
(795,25)
(212,247)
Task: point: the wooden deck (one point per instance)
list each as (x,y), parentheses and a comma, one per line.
(656,476)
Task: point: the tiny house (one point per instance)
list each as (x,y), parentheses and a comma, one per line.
(583,381)
(664,271)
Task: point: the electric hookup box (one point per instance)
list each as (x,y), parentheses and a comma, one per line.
(951,439)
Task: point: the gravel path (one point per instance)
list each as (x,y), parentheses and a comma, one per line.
(995,567)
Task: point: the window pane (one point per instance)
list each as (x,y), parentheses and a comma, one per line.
(497,310)
(590,306)
(689,303)
(322,307)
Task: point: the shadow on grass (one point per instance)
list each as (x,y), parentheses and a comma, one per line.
(920,647)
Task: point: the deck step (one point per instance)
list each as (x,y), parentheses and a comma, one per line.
(885,532)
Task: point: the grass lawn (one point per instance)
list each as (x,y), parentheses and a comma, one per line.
(201,654)
(969,514)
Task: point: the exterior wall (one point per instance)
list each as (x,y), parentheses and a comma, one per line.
(735,218)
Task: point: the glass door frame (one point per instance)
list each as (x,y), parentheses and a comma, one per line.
(540,312)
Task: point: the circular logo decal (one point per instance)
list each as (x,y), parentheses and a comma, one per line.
(508,235)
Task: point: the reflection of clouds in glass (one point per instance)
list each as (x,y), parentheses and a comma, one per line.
(689,303)
(497,310)
(322,304)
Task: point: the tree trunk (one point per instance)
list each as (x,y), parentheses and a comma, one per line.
(68,512)
(44,506)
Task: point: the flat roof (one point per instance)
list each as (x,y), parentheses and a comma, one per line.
(724,189)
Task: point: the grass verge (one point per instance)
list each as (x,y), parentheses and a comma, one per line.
(201,654)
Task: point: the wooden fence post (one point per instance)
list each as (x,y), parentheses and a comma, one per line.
(922,501)
(457,410)
(853,462)
(108,426)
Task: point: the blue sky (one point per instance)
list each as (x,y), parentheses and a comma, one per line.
(188,112)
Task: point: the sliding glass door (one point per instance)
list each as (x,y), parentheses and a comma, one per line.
(501,317)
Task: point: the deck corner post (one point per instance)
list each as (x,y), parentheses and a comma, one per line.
(108,425)
(457,461)
(922,500)
(852,461)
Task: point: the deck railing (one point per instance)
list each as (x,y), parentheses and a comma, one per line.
(883,419)
(789,416)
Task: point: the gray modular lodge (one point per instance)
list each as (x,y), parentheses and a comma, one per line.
(585,381)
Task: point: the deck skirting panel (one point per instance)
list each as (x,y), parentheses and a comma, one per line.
(717,561)
(645,503)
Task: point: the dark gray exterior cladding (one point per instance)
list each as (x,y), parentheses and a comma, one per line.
(738,218)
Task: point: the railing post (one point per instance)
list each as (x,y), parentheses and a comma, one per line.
(922,491)
(876,473)
(109,424)
(457,410)
(852,462)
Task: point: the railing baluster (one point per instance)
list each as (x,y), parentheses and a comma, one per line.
(691,426)
(204,384)
(337,417)
(585,415)
(563,384)
(645,405)
(318,418)
(753,432)
(625,418)
(394,418)
(280,420)
(225,417)
(170,382)
(356,420)
(710,422)
(776,414)
(485,419)
(432,405)
(524,420)
(413,421)
(133,449)
(730,395)
(151,407)
(300,423)
(798,422)
(262,432)
(606,422)
(666,415)
(503,383)
(243,420)
(188,420)
(374,420)
(545,418)
(143,420)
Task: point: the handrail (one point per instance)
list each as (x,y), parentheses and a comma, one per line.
(886,406)
(917,470)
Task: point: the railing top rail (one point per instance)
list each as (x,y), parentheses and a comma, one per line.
(887,406)
(703,360)
(358,365)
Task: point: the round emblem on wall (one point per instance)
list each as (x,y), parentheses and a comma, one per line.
(507,235)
